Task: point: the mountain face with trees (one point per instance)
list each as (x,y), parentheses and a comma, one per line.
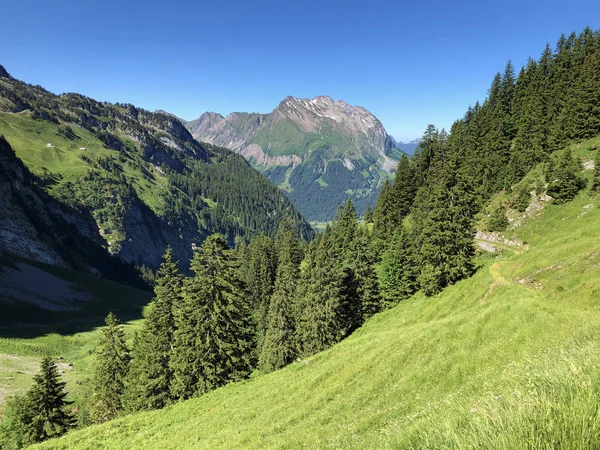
(320,152)
(139,178)
(274,300)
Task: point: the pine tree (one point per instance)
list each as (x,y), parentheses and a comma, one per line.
(447,249)
(150,377)
(522,199)
(42,413)
(321,321)
(361,262)
(564,182)
(213,341)
(345,227)
(260,280)
(383,223)
(280,345)
(110,371)
(498,220)
(403,192)
(368,217)
(399,269)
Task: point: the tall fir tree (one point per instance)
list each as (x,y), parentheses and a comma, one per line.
(564,182)
(361,262)
(403,192)
(398,278)
(213,341)
(260,279)
(280,344)
(383,224)
(110,371)
(447,235)
(42,413)
(345,227)
(321,316)
(149,380)
(368,217)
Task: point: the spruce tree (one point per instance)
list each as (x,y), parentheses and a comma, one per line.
(280,345)
(498,220)
(403,191)
(383,222)
(213,341)
(368,217)
(345,227)
(321,315)
(398,276)
(361,262)
(150,377)
(522,199)
(110,371)
(564,181)
(447,242)
(260,280)
(44,412)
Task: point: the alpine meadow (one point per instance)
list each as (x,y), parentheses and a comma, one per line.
(297,278)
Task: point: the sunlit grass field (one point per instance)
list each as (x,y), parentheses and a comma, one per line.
(507,359)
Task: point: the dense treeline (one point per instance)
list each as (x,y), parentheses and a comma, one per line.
(275,300)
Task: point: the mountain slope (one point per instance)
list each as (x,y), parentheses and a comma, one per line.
(140,177)
(320,151)
(506,359)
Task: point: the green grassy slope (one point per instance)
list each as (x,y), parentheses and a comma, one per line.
(28,333)
(509,358)
(65,161)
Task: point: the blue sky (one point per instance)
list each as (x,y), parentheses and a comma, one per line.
(410,63)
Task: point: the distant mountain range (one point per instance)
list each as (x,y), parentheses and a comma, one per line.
(320,152)
(90,184)
(408,147)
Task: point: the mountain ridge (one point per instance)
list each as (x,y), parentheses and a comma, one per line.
(139,176)
(320,151)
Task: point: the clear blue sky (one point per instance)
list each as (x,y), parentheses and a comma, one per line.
(410,63)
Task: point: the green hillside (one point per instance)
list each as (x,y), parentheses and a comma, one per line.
(140,177)
(508,358)
(29,332)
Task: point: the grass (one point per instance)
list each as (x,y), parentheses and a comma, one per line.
(509,358)
(67,336)
(64,161)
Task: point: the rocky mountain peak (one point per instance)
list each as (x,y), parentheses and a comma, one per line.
(318,148)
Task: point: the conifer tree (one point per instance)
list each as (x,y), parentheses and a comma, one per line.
(321,321)
(403,192)
(399,269)
(344,228)
(280,346)
(523,199)
(110,371)
(260,280)
(213,341)
(361,262)
(447,251)
(368,217)
(383,223)
(564,181)
(41,413)
(150,377)
(498,220)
